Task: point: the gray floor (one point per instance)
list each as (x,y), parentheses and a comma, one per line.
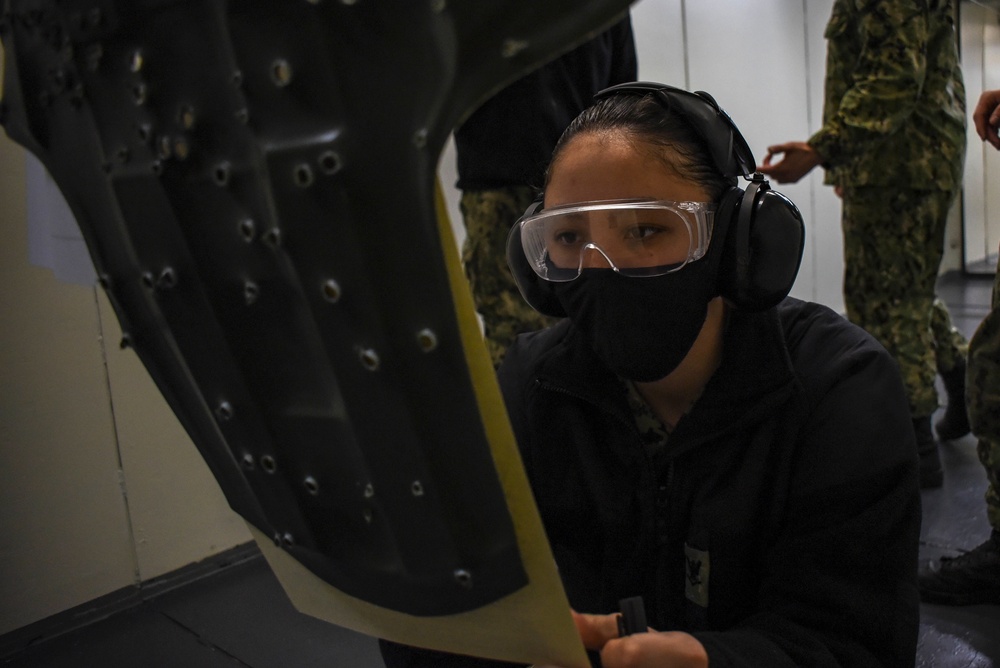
(239,616)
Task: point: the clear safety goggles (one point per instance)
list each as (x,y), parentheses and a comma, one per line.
(633,237)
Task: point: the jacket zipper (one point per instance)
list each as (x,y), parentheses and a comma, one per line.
(659,496)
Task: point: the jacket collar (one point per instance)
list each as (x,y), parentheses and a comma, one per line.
(754,377)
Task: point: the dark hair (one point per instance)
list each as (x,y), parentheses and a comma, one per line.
(651,127)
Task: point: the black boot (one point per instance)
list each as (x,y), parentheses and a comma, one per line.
(971,578)
(955,423)
(931,474)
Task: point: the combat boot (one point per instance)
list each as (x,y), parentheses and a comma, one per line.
(955,422)
(971,578)
(931,473)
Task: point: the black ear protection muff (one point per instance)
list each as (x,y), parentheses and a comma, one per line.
(762,230)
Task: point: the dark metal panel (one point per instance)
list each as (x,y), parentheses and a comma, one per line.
(254,180)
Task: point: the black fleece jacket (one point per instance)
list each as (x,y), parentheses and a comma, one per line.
(782,531)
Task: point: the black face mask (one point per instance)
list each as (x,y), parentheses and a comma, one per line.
(641,328)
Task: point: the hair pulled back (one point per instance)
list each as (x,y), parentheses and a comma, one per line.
(650,127)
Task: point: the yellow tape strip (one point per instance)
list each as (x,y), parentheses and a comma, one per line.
(532,625)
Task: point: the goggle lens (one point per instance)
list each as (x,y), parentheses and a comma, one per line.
(635,238)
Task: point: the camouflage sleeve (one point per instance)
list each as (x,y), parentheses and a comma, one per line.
(876,50)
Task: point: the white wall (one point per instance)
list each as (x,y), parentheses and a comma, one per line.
(981,67)
(100,488)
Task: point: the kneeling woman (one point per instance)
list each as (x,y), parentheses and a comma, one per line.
(745,466)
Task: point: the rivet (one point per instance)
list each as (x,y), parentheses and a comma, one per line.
(144,131)
(139,93)
(247,229)
(329,162)
(369,491)
(157,167)
(369,359)
(164,147)
(331,291)
(250,292)
(185,117)
(268,464)
(420,138)
(367,513)
(167,279)
(135,61)
(311,485)
(181,148)
(247,461)
(237,78)
(126,341)
(224,411)
(104,281)
(511,47)
(303,175)
(221,174)
(276,538)
(281,72)
(287,540)
(427,339)
(147,279)
(463,578)
(273,237)
(417,488)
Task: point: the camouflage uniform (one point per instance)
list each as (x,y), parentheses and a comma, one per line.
(983,392)
(893,139)
(488,215)
(893,244)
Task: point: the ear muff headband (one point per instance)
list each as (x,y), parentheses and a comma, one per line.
(729,150)
(741,234)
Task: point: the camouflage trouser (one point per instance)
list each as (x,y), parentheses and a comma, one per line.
(489,215)
(982,391)
(893,245)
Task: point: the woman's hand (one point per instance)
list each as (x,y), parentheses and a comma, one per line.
(655,648)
